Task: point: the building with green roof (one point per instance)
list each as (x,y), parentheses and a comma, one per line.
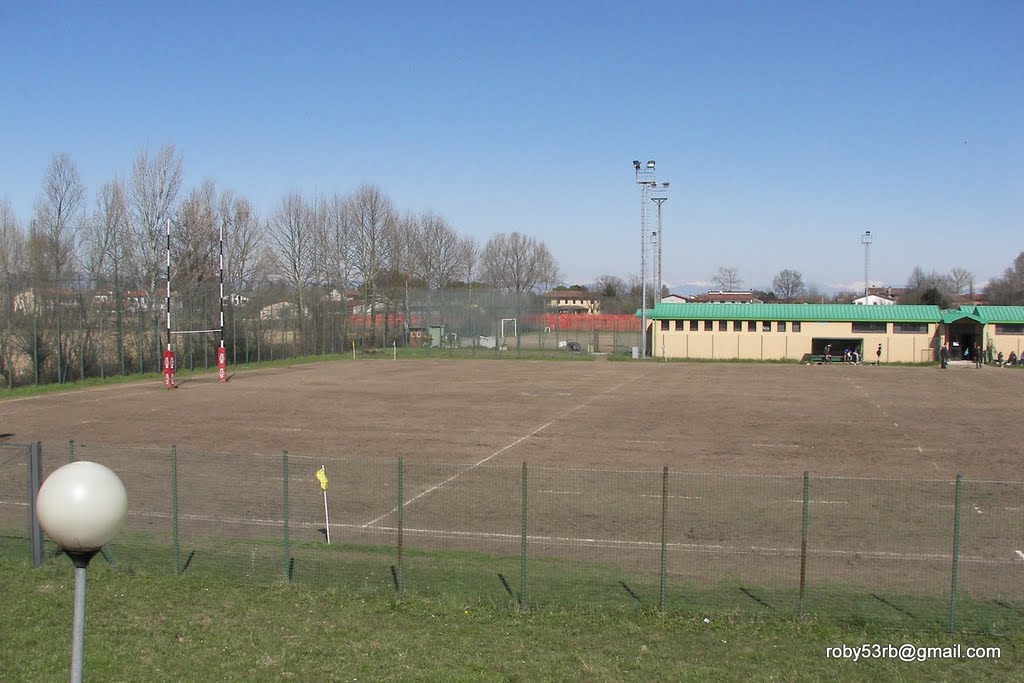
(907,334)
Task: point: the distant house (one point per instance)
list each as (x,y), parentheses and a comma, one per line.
(280,309)
(674,299)
(720,297)
(873,300)
(573,302)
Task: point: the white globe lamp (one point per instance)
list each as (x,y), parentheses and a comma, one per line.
(81,507)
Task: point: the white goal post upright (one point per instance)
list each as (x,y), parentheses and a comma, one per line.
(515,329)
(168,355)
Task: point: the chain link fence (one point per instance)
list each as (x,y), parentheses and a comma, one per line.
(935,554)
(64,331)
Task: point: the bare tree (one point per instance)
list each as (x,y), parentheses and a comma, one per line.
(470,248)
(727,278)
(438,251)
(58,217)
(788,284)
(292,242)
(517,263)
(371,224)
(194,238)
(1008,290)
(12,241)
(961,281)
(243,239)
(153,190)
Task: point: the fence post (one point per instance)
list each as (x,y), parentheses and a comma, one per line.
(284,506)
(803,543)
(664,540)
(174,509)
(35,480)
(956,554)
(401,526)
(522,545)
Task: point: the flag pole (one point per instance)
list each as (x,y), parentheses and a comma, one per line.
(327,519)
(321,475)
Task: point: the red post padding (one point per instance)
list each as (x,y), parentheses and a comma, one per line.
(222,364)
(169,369)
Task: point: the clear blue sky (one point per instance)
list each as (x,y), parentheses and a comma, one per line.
(786,129)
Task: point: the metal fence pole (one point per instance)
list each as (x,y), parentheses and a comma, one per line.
(662,590)
(284,506)
(400,573)
(956,554)
(803,543)
(35,480)
(522,545)
(174,509)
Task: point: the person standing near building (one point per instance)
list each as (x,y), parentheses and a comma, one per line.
(878,355)
(943,356)
(977,356)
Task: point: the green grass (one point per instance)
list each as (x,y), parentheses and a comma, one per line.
(165,628)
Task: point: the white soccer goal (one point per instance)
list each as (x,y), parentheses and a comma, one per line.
(514,324)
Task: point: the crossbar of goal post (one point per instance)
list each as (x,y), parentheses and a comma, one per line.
(222,356)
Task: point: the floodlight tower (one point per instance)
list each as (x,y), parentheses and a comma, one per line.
(866,241)
(646,179)
(659,197)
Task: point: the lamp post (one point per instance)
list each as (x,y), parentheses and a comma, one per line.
(660,197)
(645,178)
(81,507)
(866,241)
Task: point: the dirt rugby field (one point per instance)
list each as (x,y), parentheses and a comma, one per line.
(844,420)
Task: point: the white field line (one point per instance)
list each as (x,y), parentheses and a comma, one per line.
(596,542)
(775,445)
(822,502)
(654,495)
(499,451)
(564,493)
(123,387)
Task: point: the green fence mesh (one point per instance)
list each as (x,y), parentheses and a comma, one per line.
(881,551)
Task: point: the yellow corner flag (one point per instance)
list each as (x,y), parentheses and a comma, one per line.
(321,475)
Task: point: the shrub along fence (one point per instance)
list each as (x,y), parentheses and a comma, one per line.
(939,554)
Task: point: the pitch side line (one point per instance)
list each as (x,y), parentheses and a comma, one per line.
(500,451)
(599,542)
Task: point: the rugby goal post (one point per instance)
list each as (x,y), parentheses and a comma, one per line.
(222,354)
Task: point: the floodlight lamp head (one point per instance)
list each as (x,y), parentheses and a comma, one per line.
(650,165)
(665,185)
(636,164)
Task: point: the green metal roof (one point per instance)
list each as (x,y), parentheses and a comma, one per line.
(1000,314)
(801,312)
(952,315)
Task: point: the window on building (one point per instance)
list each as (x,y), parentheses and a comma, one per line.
(1009,329)
(664,325)
(796,325)
(737,325)
(679,325)
(709,326)
(751,326)
(870,327)
(910,328)
(694,325)
(781,325)
(766,326)
(723,325)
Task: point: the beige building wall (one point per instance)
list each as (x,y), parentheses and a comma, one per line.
(1004,342)
(774,345)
